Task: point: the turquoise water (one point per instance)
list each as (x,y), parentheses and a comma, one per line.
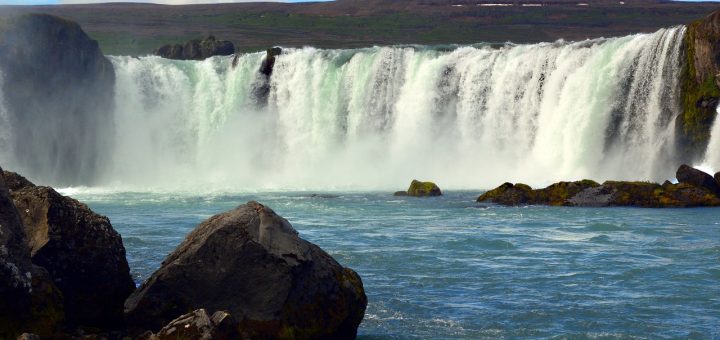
(452,268)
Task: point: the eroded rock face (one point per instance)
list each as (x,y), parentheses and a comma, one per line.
(15,269)
(55,80)
(700,84)
(196,49)
(251,263)
(82,253)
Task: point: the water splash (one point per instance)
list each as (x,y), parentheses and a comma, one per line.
(374,118)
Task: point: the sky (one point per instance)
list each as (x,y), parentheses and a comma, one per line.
(172,2)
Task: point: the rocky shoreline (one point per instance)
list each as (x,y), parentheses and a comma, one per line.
(694,189)
(244,273)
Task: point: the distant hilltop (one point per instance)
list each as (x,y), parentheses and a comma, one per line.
(136,29)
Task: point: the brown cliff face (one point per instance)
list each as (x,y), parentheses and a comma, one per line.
(700,84)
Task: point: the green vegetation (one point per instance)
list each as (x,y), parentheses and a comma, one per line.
(696,87)
(141,28)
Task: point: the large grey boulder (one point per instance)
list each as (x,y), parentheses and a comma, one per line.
(82,253)
(251,263)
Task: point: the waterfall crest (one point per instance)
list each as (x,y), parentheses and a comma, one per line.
(374,118)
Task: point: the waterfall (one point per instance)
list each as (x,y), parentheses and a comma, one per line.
(375,118)
(711,163)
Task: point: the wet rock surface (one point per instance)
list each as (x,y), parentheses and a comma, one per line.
(79,250)
(695,189)
(251,263)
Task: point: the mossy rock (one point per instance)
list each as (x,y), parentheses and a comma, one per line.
(559,193)
(423,189)
(699,84)
(509,194)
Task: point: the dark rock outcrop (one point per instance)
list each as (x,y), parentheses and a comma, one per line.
(29,300)
(695,177)
(692,193)
(700,84)
(251,263)
(261,87)
(15,269)
(269,62)
(517,194)
(15,181)
(400,193)
(82,253)
(197,49)
(198,325)
(423,189)
(58,90)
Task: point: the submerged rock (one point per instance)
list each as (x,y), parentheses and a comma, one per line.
(588,193)
(423,189)
(251,263)
(83,255)
(196,49)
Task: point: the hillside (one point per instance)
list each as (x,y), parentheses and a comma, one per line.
(123,28)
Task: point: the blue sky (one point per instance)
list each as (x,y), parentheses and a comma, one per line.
(52,2)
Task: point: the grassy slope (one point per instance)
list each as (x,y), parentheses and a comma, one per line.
(140,28)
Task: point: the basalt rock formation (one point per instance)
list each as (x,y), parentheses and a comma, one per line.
(261,87)
(15,269)
(78,251)
(700,83)
(197,49)
(251,263)
(693,190)
(58,90)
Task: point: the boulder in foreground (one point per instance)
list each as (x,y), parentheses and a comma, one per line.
(80,251)
(695,189)
(198,325)
(251,263)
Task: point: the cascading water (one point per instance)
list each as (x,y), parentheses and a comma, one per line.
(468,117)
(712,154)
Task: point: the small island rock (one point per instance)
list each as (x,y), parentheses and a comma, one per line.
(695,191)
(423,189)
